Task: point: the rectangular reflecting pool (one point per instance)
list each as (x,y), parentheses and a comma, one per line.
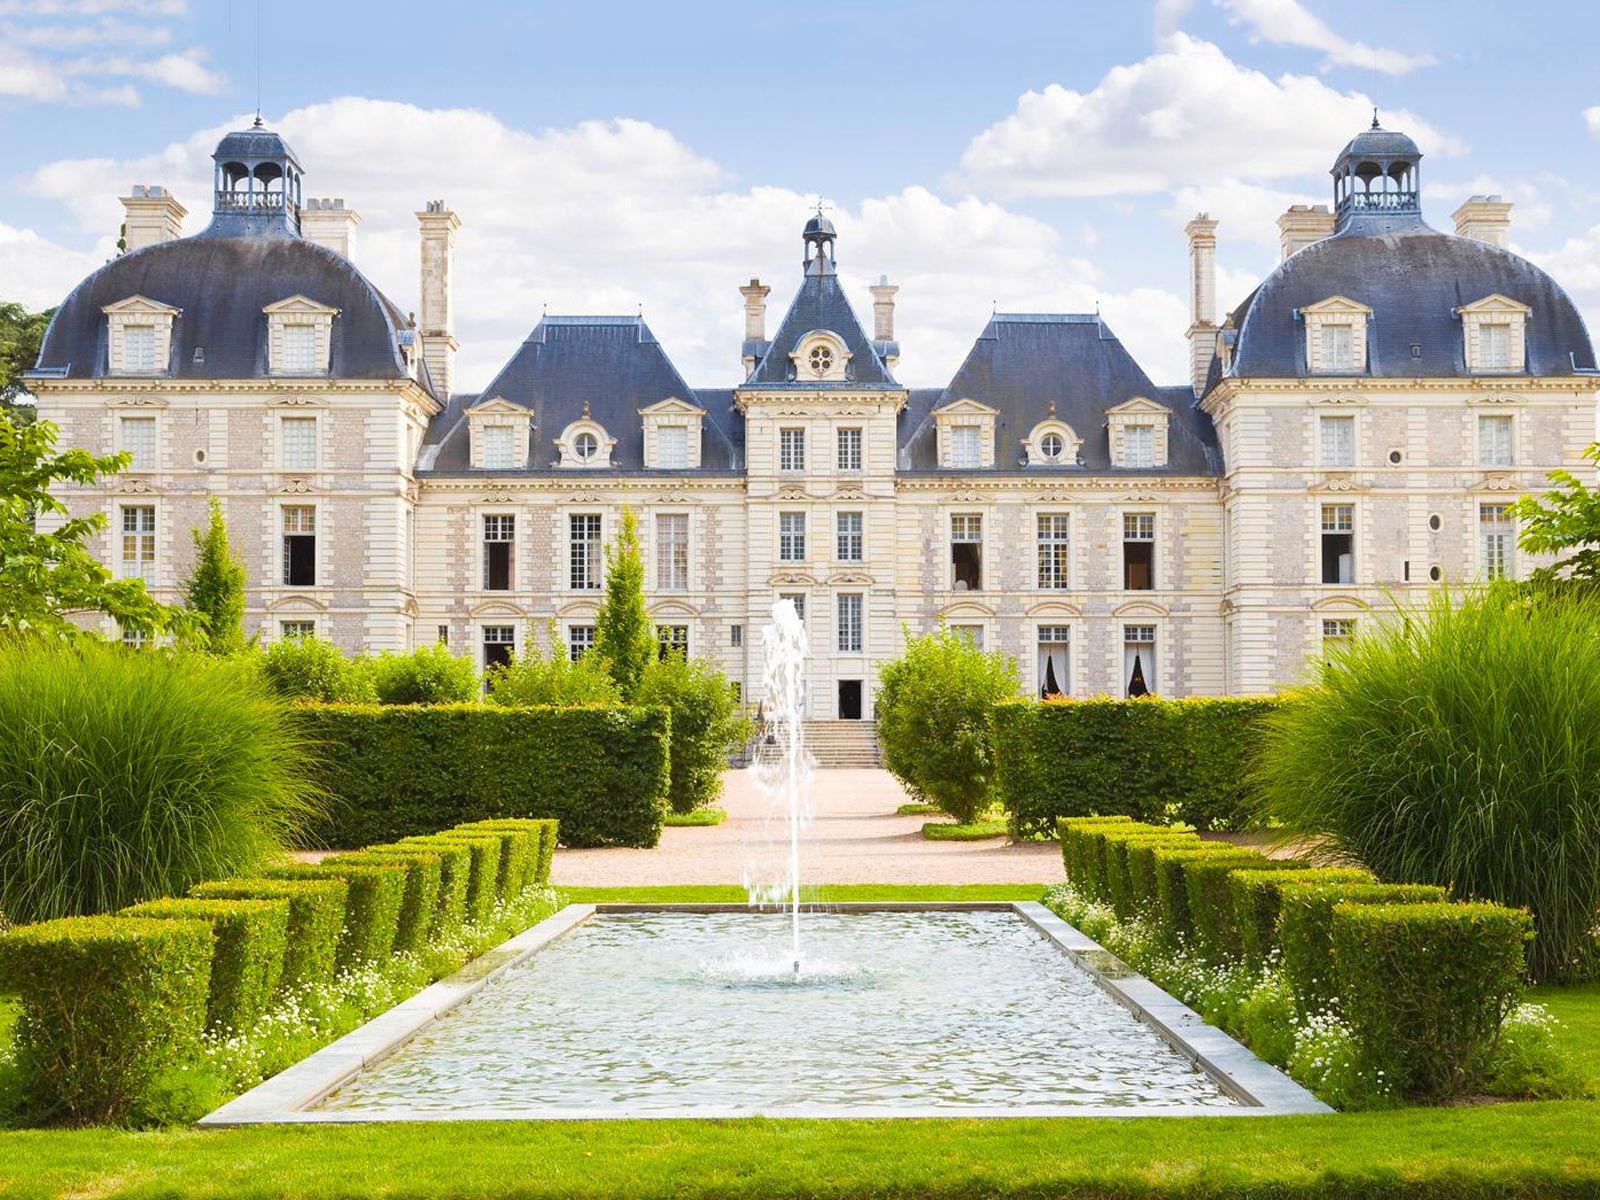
(897,1010)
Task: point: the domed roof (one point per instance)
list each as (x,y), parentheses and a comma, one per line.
(818,226)
(220,286)
(1413,279)
(254,143)
(1380,143)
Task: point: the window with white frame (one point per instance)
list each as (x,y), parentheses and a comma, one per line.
(1055,647)
(135,637)
(736,636)
(850,449)
(1496,447)
(139,542)
(1337,633)
(1138,551)
(298,348)
(293,631)
(1337,436)
(586,447)
(499,447)
(1494,346)
(299,545)
(138,436)
(499,645)
(672,552)
(1139,445)
(850,548)
(798,599)
(672,640)
(139,349)
(1055,545)
(580,640)
(499,541)
(1338,346)
(971,634)
(1496,541)
(672,447)
(297,443)
(1138,660)
(965,445)
(850,605)
(1338,543)
(792,537)
(791,449)
(966,552)
(583,542)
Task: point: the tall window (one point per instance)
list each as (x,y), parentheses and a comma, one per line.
(1138,551)
(297,445)
(797,599)
(139,440)
(849,622)
(1494,346)
(966,552)
(1054,550)
(791,449)
(1338,346)
(850,549)
(499,645)
(965,446)
(499,535)
(499,447)
(1055,643)
(1338,438)
(299,347)
(1139,445)
(1496,447)
(583,541)
(1496,537)
(791,537)
(1337,633)
(672,640)
(139,543)
(672,552)
(850,449)
(672,447)
(138,348)
(1338,543)
(299,545)
(580,640)
(1139,659)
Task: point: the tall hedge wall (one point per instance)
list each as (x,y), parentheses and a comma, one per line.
(1153,760)
(392,772)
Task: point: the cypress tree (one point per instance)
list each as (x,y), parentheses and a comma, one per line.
(622,633)
(215,587)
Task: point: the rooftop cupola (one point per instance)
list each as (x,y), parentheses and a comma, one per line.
(1377,182)
(818,238)
(257,186)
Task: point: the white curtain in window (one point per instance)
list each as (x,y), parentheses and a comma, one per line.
(139,347)
(1054,676)
(1139,446)
(1338,441)
(672,447)
(499,447)
(964,446)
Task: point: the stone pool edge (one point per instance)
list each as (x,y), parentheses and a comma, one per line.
(287,1098)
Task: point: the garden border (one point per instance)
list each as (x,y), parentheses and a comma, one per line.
(288,1097)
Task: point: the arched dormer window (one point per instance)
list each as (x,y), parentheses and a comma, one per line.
(1052,444)
(585,444)
(820,356)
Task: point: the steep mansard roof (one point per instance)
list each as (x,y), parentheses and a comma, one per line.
(821,304)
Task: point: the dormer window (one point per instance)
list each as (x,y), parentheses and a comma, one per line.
(1138,434)
(138,348)
(1336,336)
(1139,445)
(1051,443)
(299,348)
(965,432)
(299,336)
(585,443)
(1493,333)
(820,357)
(498,435)
(1338,346)
(820,360)
(672,435)
(140,341)
(1051,446)
(965,446)
(586,446)
(499,450)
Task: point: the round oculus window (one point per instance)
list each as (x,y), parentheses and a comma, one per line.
(1435,574)
(1051,446)
(586,446)
(820,360)
(1395,456)
(1434,522)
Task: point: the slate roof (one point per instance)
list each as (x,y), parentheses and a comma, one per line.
(821,304)
(1022,363)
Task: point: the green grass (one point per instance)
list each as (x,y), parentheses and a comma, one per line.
(977,831)
(827,893)
(699,817)
(1578,1009)
(916,810)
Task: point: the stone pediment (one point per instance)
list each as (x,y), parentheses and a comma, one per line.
(791,579)
(965,408)
(298,485)
(1497,482)
(1495,303)
(497,406)
(1137,406)
(851,577)
(299,306)
(672,406)
(1335,306)
(141,305)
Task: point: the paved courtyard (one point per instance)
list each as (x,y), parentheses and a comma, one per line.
(854,837)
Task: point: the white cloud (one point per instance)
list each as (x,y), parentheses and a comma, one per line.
(1248,211)
(42,59)
(1591,118)
(92,8)
(104,31)
(39,272)
(1168,14)
(1185,114)
(185,72)
(1533,208)
(1288,23)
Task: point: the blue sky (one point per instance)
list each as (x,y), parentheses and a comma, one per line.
(605,157)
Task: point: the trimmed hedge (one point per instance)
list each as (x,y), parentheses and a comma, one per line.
(483,874)
(419,903)
(541,847)
(108,1004)
(1154,760)
(1426,987)
(1131,867)
(1172,888)
(1210,897)
(316,915)
(397,772)
(246,956)
(372,906)
(1305,930)
(519,853)
(1083,850)
(1258,895)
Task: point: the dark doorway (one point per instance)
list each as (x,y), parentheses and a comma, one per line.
(850,699)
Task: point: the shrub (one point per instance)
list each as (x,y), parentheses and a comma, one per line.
(483,874)
(1257,896)
(1210,897)
(394,772)
(131,775)
(455,872)
(1426,987)
(214,588)
(1457,747)
(308,668)
(419,902)
(316,915)
(525,851)
(1130,867)
(1305,930)
(1172,888)
(427,675)
(534,678)
(372,906)
(707,721)
(108,1003)
(933,707)
(246,956)
(1083,850)
(623,637)
(1155,760)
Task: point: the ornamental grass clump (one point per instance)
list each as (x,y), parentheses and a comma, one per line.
(1457,745)
(127,775)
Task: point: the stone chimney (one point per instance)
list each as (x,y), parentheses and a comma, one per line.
(436,324)
(1487,218)
(755,323)
(1202,232)
(153,215)
(883,310)
(329,223)
(1302,225)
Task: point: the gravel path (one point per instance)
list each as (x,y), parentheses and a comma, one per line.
(854,837)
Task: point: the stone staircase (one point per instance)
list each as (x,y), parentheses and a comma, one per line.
(838,744)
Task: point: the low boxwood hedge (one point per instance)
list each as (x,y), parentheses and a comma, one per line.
(1426,986)
(108,1004)
(1305,930)
(419,903)
(372,906)
(1258,895)
(1082,851)
(1171,887)
(483,874)
(246,956)
(455,873)
(316,915)
(519,853)
(1130,866)
(1210,897)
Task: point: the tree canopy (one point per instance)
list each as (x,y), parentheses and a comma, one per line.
(622,635)
(215,587)
(1564,521)
(21,332)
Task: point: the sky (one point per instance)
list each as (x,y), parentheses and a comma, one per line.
(645,157)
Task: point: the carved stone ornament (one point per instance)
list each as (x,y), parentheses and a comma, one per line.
(792,491)
(497,497)
(296,402)
(1498,483)
(967,496)
(1339,483)
(1339,398)
(140,402)
(136,487)
(583,498)
(297,487)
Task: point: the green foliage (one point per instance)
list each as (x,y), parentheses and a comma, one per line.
(1130,867)
(707,722)
(1426,987)
(1151,759)
(1211,907)
(246,956)
(108,1003)
(699,819)
(316,916)
(127,775)
(398,771)
(455,872)
(308,668)
(419,902)
(47,571)
(371,910)
(1305,930)
(1564,519)
(622,636)
(1458,747)
(1258,895)
(1529,1061)
(21,332)
(214,590)
(1172,910)
(527,846)
(1083,851)
(427,675)
(536,677)
(483,879)
(933,707)
(977,831)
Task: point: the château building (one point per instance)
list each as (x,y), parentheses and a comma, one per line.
(1351,434)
